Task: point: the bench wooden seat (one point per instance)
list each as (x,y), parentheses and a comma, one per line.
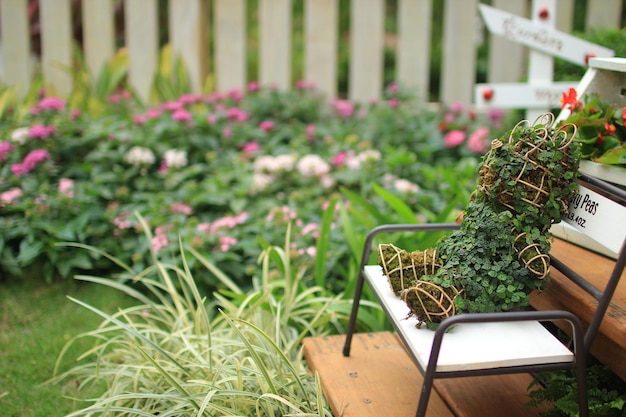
(379,379)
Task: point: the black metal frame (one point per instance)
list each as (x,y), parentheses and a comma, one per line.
(582,340)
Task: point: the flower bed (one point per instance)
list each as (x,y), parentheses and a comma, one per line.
(224,173)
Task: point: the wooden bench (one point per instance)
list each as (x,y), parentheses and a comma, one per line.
(471,396)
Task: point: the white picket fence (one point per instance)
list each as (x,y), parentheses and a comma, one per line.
(193,23)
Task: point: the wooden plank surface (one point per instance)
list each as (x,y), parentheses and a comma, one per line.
(414,28)
(230,44)
(275,43)
(610,345)
(378,379)
(16,54)
(320,45)
(142,41)
(507,59)
(98,34)
(56,45)
(366,49)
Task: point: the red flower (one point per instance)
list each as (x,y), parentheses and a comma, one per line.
(570,98)
(609,129)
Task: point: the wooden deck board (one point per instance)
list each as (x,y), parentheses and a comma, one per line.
(379,379)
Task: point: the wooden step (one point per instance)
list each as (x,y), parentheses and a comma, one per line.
(379,379)
(560,294)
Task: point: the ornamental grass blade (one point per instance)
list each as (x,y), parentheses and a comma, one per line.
(131,331)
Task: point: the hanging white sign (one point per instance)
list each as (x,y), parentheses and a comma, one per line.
(540,37)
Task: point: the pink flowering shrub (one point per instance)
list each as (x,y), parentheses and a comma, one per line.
(225,173)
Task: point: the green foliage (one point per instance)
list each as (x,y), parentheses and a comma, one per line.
(605,393)
(180,351)
(219,171)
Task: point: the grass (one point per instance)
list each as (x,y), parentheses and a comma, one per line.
(36,320)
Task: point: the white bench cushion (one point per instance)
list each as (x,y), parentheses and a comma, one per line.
(470,346)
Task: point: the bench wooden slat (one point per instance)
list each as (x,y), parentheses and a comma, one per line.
(379,379)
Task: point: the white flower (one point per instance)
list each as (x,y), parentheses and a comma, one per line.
(272,165)
(405,186)
(19,135)
(175,159)
(313,166)
(284,163)
(138,155)
(327,181)
(370,155)
(260,181)
(263,163)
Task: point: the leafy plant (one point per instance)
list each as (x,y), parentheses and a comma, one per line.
(232,353)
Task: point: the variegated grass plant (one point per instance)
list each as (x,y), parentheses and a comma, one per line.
(178,352)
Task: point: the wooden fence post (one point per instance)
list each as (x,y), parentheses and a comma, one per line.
(275,43)
(188,20)
(16,54)
(366,49)
(56,45)
(142,41)
(320,45)
(459,51)
(230,44)
(413,62)
(98,34)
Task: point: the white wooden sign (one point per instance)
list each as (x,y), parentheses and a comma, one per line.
(540,93)
(516,95)
(598,217)
(541,38)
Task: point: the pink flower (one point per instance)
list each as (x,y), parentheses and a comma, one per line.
(181,208)
(477,141)
(215,96)
(5,148)
(236,95)
(496,115)
(267,125)
(153,113)
(339,159)
(393,102)
(227,133)
(117,97)
(453,138)
(344,108)
(304,85)
(189,99)
(19,169)
(159,241)
(66,186)
(121,221)
(139,119)
(456,107)
(235,114)
(75,114)
(251,147)
(310,132)
(225,242)
(51,103)
(9,196)
(211,119)
(41,131)
(36,156)
(311,228)
(171,106)
(253,86)
(181,115)
(392,87)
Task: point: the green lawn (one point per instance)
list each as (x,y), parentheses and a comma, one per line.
(36,320)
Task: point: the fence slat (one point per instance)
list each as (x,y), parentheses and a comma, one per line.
(565,15)
(230,44)
(98,34)
(366,49)
(459,51)
(188,37)
(56,45)
(320,45)
(414,25)
(142,42)
(507,59)
(603,13)
(15,33)
(274,44)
